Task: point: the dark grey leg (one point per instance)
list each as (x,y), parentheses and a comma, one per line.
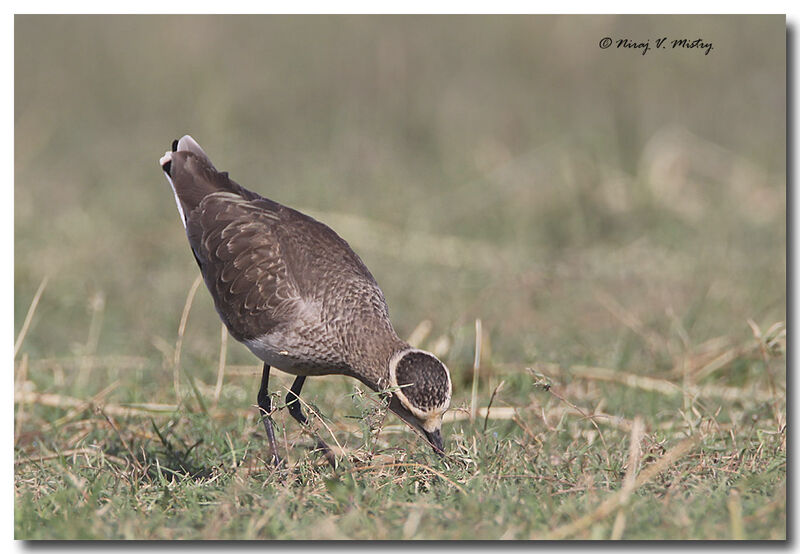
(293,400)
(296,411)
(265,405)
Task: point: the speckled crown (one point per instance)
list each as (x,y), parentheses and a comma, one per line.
(423,381)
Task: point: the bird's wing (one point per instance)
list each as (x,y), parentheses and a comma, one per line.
(319,259)
(264,263)
(237,246)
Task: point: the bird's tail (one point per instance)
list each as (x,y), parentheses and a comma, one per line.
(191,175)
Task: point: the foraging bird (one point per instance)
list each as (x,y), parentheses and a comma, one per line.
(295,293)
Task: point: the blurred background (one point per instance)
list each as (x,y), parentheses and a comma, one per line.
(575,199)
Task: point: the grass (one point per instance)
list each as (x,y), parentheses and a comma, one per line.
(544,460)
(625,257)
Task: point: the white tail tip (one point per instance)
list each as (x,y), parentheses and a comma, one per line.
(187,143)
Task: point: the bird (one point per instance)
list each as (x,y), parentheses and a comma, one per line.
(298,297)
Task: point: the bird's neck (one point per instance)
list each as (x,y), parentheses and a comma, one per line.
(370,363)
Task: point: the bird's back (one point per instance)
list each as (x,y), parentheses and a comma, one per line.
(282,282)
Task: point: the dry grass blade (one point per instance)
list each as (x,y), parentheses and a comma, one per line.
(96,400)
(223,351)
(509,412)
(661,386)
(723,359)
(412,523)
(629,379)
(502,412)
(181,330)
(476,367)
(489,406)
(72,452)
(770,379)
(29,316)
(611,503)
(67,402)
(634,455)
(234,465)
(735,512)
(316,414)
(97,305)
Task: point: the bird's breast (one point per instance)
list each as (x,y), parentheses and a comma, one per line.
(297,353)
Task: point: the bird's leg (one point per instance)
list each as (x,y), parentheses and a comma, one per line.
(265,406)
(296,411)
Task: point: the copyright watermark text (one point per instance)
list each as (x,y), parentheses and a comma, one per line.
(663,43)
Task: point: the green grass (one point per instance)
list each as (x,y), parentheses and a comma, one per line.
(617,222)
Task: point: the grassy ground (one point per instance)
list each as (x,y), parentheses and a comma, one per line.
(615,221)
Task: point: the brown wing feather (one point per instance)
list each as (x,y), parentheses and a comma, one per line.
(265,264)
(326,269)
(313,252)
(241,259)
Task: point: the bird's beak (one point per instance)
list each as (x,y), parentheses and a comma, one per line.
(435,438)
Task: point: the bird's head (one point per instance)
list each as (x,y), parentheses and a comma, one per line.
(421,392)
